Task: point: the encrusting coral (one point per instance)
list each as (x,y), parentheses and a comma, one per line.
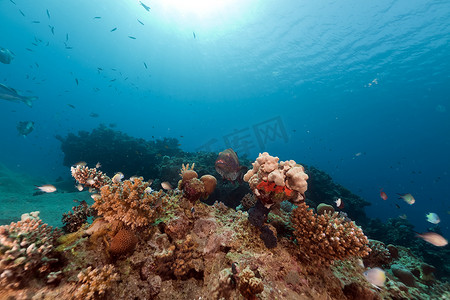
(273,182)
(249,284)
(26,250)
(327,237)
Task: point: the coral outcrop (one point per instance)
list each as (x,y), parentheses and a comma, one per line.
(273,182)
(327,237)
(193,188)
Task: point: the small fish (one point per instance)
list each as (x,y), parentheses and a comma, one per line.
(114,29)
(76,80)
(396,205)
(79,187)
(433,218)
(12,2)
(67,37)
(339,203)
(80,163)
(36,22)
(112,80)
(6,56)
(67,47)
(70,105)
(192,211)
(150,182)
(52,28)
(118,177)
(145,65)
(433,238)
(193,33)
(383,195)
(375,276)
(29,49)
(48,14)
(98,165)
(90,181)
(408,198)
(97,17)
(96,197)
(148,190)
(21,12)
(47,188)
(25,128)
(140,22)
(133,178)
(403,217)
(132,37)
(37,65)
(94,115)
(92,190)
(147,8)
(166,185)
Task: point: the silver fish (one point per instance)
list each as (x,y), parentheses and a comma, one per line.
(6,56)
(10,94)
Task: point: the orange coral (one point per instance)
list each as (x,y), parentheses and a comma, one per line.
(328,237)
(123,242)
(129,202)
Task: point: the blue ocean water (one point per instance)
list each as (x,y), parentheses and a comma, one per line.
(358,89)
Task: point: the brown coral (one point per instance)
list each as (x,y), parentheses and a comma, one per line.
(380,256)
(129,202)
(194,188)
(93,283)
(328,237)
(249,284)
(123,242)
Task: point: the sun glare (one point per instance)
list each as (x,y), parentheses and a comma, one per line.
(200,8)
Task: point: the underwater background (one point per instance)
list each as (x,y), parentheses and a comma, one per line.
(358,89)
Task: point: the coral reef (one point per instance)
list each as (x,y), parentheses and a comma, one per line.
(26,250)
(380,256)
(123,242)
(328,237)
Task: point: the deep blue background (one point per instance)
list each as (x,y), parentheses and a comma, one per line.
(361,88)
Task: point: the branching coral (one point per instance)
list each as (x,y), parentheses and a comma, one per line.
(26,249)
(90,177)
(129,202)
(273,182)
(93,283)
(328,237)
(73,220)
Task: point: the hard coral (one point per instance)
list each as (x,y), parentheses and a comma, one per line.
(90,177)
(249,284)
(380,256)
(26,250)
(194,188)
(128,202)
(273,182)
(93,283)
(74,219)
(123,242)
(328,237)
